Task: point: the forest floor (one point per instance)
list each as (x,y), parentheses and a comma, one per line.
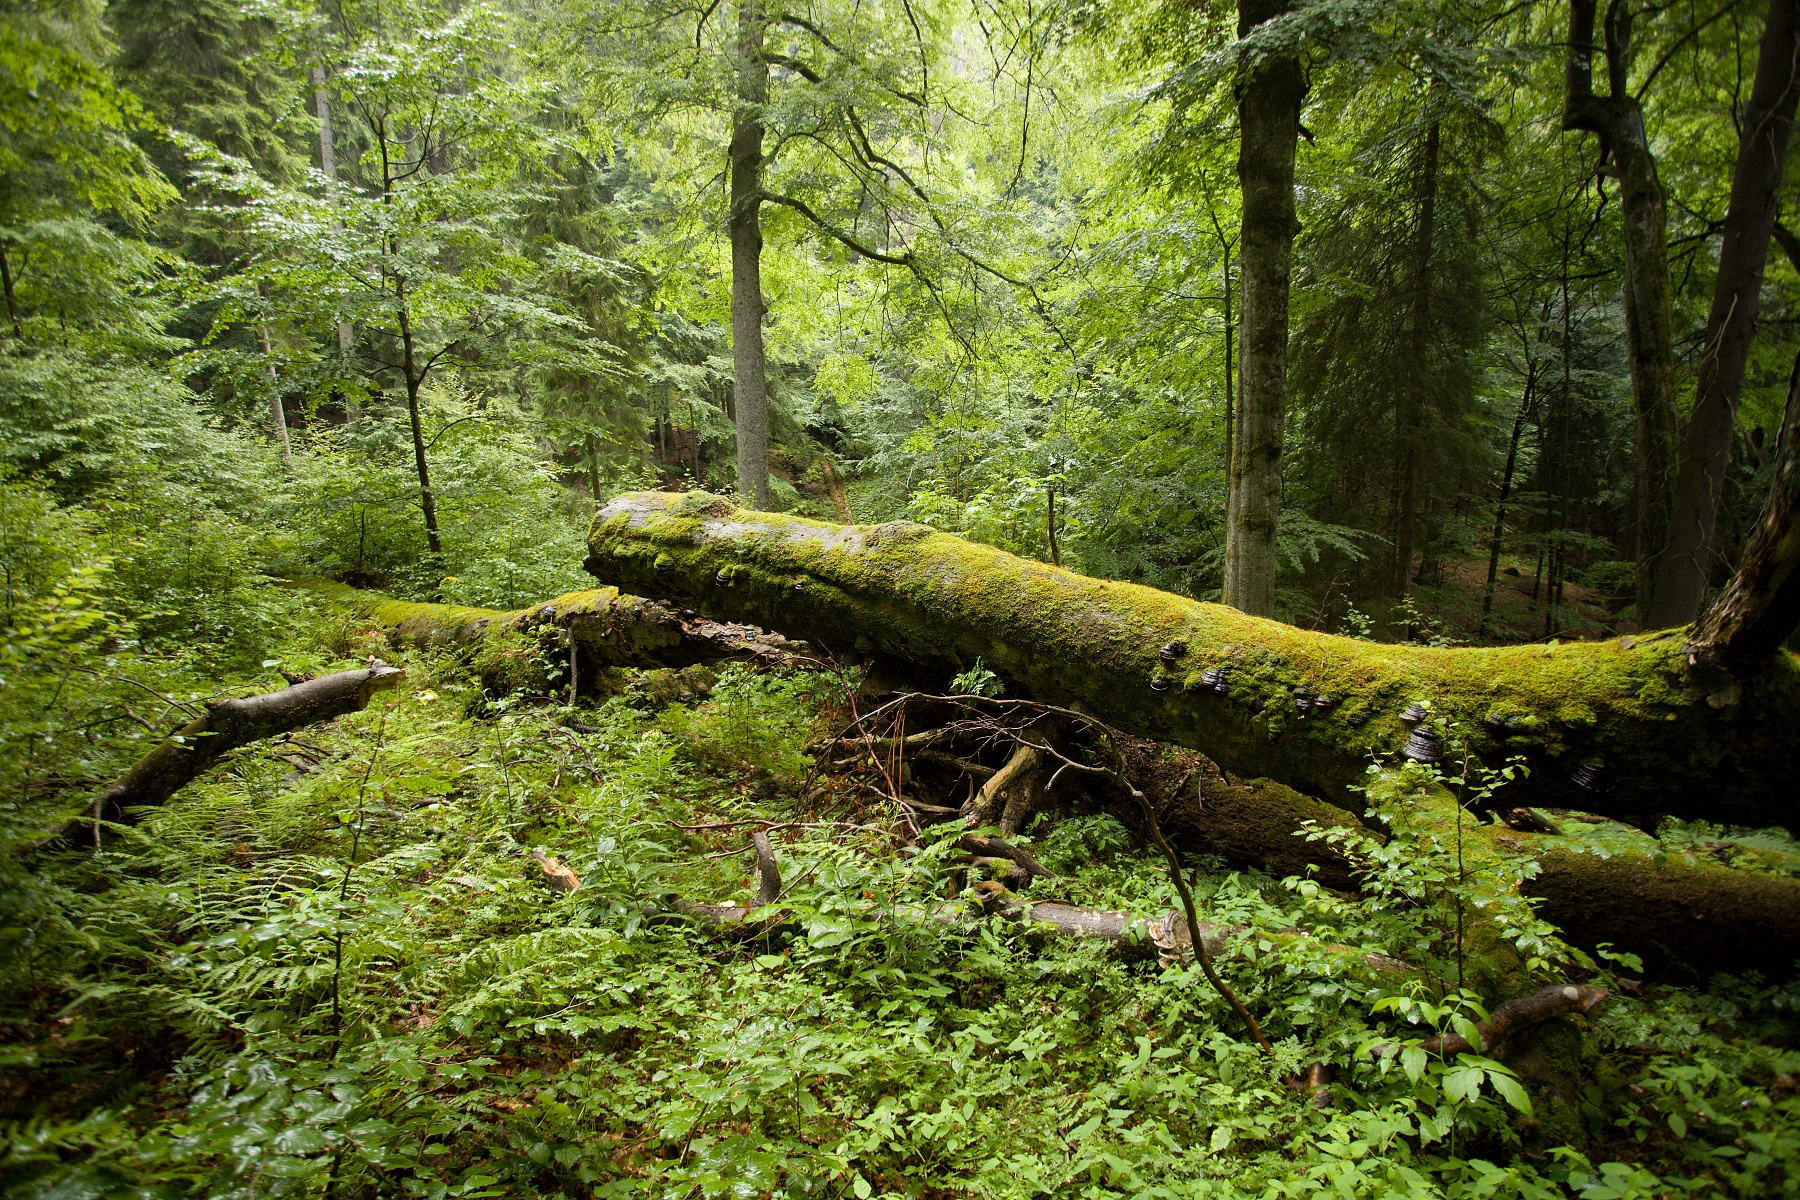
(333,967)
(1518,615)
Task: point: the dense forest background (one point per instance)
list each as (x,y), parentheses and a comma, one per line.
(397,293)
(341,248)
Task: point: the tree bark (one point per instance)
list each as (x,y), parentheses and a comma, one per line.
(328,167)
(1409,430)
(1618,119)
(607,628)
(415,379)
(1685,915)
(12,302)
(227,725)
(750,393)
(277,411)
(1686,564)
(1269,99)
(1506,482)
(1760,608)
(1626,727)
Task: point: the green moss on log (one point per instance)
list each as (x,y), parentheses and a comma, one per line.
(1306,708)
(612,628)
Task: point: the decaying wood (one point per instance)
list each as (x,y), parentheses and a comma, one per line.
(1684,915)
(1757,612)
(555,875)
(226,725)
(1627,728)
(600,627)
(1545,1005)
(768,875)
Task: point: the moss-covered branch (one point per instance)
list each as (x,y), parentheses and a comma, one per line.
(1626,727)
(611,629)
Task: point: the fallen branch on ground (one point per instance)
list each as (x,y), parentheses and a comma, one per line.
(224,726)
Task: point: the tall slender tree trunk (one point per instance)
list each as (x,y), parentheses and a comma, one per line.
(1506,482)
(277,413)
(593,467)
(415,379)
(1269,100)
(328,167)
(744,223)
(1618,119)
(1685,565)
(1410,432)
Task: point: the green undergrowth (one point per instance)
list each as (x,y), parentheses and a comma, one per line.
(333,968)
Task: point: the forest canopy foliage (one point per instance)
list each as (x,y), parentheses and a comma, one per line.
(1443,322)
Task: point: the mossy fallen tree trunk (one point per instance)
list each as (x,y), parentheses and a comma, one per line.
(1684,914)
(606,627)
(1629,728)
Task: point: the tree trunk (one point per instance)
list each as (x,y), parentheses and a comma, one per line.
(277,411)
(1686,564)
(12,302)
(1628,727)
(230,724)
(834,484)
(607,627)
(1506,482)
(328,167)
(1269,124)
(1618,119)
(593,467)
(1409,432)
(414,381)
(1685,915)
(744,223)
(1758,611)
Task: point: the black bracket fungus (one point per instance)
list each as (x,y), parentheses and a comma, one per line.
(663,565)
(1216,678)
(1305,698)
(1414,713)
(1172,651)
(1423,746)
(722,580)
(1159,684)
(799,585)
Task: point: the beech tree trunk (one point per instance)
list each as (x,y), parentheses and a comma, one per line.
(750,393)
(1618,119)
(1686,564)
(1629,728)
(1269,126)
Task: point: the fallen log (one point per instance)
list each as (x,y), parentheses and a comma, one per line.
(1684,915)
(607,628)
(1630,728)
(224,726)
